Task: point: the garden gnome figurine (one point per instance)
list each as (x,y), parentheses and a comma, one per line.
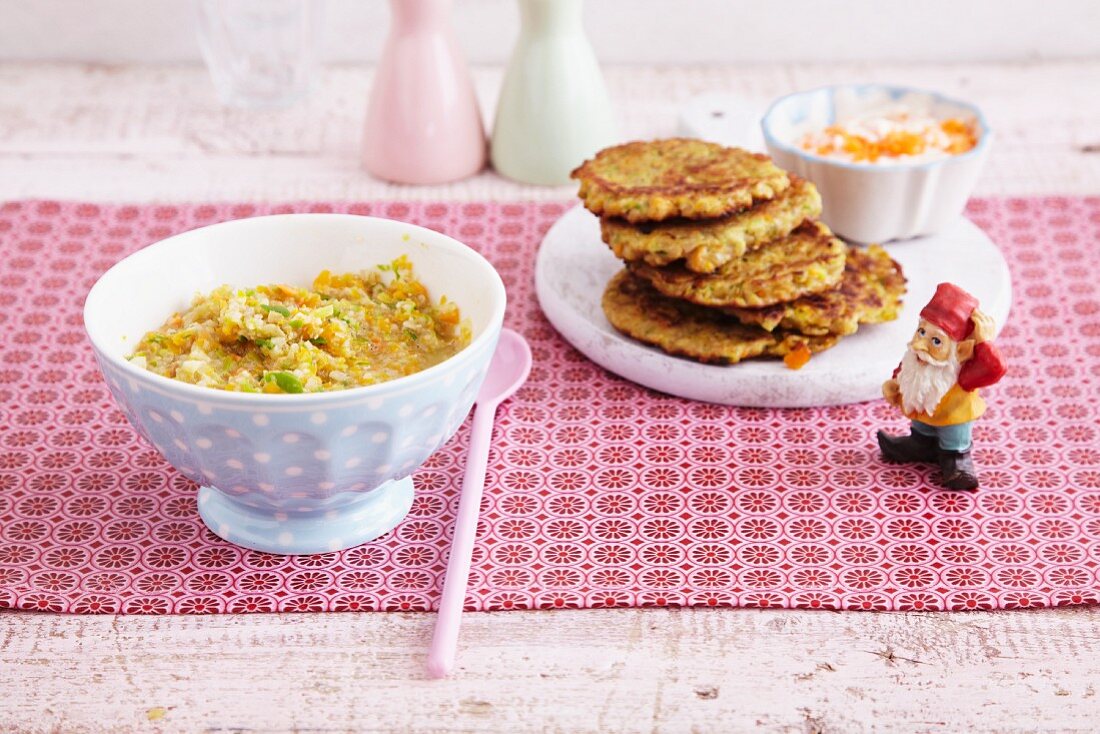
(936,385)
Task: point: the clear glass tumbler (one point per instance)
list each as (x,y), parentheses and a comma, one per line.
(260,53)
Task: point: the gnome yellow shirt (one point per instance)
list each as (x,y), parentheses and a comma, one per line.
(955,407)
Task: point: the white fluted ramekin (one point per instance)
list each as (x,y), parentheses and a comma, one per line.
(876,202)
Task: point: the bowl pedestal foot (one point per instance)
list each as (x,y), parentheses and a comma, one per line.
(370,516)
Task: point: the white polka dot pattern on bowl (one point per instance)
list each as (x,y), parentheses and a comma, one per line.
(287,459)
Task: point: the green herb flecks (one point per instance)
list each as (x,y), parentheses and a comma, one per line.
(276,308)
(286,381)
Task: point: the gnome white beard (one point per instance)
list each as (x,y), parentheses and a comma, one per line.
(924,382)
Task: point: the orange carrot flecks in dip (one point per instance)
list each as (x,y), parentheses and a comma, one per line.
(892,136)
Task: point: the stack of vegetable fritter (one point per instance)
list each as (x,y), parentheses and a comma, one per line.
(724,257)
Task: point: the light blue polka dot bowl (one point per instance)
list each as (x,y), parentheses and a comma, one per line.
(294,473)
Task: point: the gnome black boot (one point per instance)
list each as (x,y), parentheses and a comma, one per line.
(958,470)
(908,449)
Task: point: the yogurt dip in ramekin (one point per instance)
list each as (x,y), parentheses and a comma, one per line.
(878,198)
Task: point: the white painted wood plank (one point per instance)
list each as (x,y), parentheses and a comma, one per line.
(144,133)
(156,133)
(580,671)
(706,31)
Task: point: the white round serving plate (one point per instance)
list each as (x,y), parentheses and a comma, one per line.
(574,265)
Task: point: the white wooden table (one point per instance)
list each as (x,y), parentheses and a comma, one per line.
(156,133)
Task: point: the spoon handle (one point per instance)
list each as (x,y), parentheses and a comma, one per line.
(441,655)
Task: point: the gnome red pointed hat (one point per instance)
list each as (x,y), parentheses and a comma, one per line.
(950,309)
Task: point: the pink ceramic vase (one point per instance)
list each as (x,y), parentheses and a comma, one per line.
(423,122)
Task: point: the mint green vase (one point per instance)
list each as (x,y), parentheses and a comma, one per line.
(553,111)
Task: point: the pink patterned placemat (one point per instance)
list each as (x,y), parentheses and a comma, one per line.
(601,493)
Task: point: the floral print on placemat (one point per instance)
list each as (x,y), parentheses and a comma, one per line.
(600,492)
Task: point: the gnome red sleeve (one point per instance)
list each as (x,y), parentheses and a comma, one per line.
(983,369)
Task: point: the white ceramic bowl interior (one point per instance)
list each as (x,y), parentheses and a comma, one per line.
(294,473)
(881,201)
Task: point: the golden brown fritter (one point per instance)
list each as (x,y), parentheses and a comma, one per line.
(707,244)
(657,180)
(686,330)
(809,260)
(869,292)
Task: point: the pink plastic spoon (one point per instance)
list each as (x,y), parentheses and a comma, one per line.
(508,370)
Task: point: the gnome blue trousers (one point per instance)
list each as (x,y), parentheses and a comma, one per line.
(950,438)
